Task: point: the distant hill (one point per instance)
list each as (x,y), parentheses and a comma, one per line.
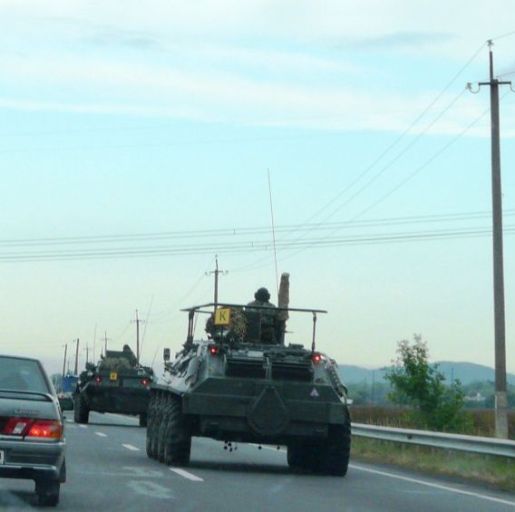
(465,372)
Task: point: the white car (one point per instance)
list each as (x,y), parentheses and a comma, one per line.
(32,443)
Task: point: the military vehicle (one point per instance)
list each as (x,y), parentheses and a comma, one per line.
(117,384)
(66,390)
(244,383)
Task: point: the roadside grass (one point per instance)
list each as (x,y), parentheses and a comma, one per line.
(494,471)
(482,421)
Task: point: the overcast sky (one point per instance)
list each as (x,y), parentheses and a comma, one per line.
(137,141)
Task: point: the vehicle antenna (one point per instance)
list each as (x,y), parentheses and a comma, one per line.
(273,232)
(314,331)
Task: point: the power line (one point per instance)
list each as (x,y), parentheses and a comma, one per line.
(502,36)
(417,170)
(404,133)
(217,233)
(241,247)
(391,146)
(399,155)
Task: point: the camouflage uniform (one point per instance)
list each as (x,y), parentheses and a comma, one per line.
(266,317)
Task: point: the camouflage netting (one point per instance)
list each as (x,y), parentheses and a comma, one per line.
(114,364)
(118,360)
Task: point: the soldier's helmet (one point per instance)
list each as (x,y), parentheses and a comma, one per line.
(263,295)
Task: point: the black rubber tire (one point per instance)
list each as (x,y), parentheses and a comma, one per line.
(330,457)
(294,456)
(155,424)
(163,425)
(80,409)
(48,492)
(143,419)
(62,473)
(178,435)
(335,454)
(150,426)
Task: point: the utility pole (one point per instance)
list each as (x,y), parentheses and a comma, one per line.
(76,357)
(501,397)
(216,273)
(137,322)
(94,343)
(64,359)
(105,343)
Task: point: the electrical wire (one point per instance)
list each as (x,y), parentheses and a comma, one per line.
(233,233)
(502,36)
(391,146)
(242,247)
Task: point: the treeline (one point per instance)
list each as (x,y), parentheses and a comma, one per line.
(478,395)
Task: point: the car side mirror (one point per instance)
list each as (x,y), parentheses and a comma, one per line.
(166,354)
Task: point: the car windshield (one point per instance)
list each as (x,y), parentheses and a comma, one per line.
(22,375)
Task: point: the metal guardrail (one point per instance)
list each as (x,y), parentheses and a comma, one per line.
(471,444)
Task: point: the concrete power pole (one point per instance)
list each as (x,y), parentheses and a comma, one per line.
(76,357)
(64,359)
(106,339)
(501,397)
(216,273)
(137,321)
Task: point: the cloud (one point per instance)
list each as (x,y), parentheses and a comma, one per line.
(403,40)
(219,61)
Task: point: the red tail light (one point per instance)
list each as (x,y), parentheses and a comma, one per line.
(316,357)
(145,382)
(16,426)
(98,379)
(31,427)
(213,350)
(46,429)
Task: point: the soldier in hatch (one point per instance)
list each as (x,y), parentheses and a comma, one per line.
(265,315)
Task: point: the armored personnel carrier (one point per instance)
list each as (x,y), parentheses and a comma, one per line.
(117,384)
(244,383)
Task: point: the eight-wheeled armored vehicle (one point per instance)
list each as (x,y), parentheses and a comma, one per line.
(117,384)
(245,384)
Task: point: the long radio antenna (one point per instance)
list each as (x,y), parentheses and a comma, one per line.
(273,231)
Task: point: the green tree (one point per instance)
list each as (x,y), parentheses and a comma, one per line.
(420,385)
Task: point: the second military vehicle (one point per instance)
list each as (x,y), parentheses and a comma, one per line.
(118,384)
(245,384)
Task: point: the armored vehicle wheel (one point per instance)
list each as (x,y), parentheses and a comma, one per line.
(143,419)
(177,446)
(294,457)
(150,428)
(80,410)
(335,453)
(163,425)
(156,421)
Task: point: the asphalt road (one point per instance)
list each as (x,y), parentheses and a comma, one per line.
(108,470)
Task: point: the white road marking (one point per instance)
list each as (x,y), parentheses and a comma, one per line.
(143,472)
(417,481)
(83,426)
(435,486)
(130,447)
(101,434)
(186,474)
(150,489)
